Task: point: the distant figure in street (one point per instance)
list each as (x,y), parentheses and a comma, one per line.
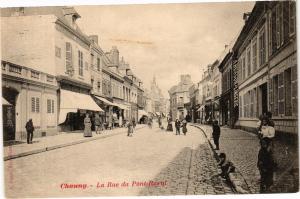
(29,128)
(98,124)
(266,165)
(130,128)
(169,127)
(150,122)
(226,166)
(177,126)
(216,133)
(184,129)
(87,126)
(133,123)
(159,121)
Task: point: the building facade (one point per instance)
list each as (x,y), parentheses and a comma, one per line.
(179,96)
(267,66)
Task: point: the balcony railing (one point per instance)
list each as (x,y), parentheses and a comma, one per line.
(27,73)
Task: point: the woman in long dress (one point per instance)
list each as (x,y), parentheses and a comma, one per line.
(87,126)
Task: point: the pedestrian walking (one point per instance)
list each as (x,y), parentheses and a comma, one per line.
(216,134)
(266,165)
(150,122)
(177,126)
(87,126)
(184,129)
(98,124)
(159,121)
(130,129)
(29,129)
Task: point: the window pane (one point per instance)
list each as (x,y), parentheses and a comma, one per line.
(37,108)
(48,106)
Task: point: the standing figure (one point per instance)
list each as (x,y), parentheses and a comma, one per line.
(97,124)
(266,165)
(265,129)
(184,129)
(159,121)
(87,126)
(177,126)
(133,123)
(169,127)
(29,128)
(130,128)
(216,133)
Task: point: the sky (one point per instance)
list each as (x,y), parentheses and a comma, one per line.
(166,40)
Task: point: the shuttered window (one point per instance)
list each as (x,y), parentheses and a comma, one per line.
(271,96)
(262,47)
(292,17)
(249,61)
(275,94)
(37,105)
(52,106)
(288,92)
(69,64)
(254,54)
(280,94)
(294,90)
(80,63)
(49,106)
(33,104)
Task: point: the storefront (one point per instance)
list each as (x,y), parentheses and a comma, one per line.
(72,109)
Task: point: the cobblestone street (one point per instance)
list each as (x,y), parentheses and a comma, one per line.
(242,149)
(185,163)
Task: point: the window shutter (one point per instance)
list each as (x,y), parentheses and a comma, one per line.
(275,94)
(52,106)
(280,94)
(37,107)
(294,91)
(48,106)
(285,21)
(69,64)
(33,104)
(273,30)
(292,17)
(271,102)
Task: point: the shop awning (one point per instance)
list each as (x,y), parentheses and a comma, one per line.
(105,101)
(72,101)
(201,108)
(121,106)
(141,113)
(5,102)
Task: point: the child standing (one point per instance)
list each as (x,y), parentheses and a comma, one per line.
(265,165)
(216,134)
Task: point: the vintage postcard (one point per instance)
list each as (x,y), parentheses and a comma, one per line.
(150,99)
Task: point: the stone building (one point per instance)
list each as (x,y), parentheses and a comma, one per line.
(61,61)
(267,66)
(179,95)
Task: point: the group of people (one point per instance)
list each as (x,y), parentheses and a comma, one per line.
(266,163)
(178,125)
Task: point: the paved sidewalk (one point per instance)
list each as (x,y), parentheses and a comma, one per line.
(64,139)
(242,148)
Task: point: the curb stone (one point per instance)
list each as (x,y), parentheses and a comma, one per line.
(36,151)
(237,180)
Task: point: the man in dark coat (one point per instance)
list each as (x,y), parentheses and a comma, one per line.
(177,126)
(216,133)
(97,124)
(29,128)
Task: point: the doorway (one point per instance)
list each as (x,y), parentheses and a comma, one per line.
(9,113)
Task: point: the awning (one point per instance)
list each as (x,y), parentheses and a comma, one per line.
(72,101)
(121,106)
(105,101)
(141,113)
(201,108)
(5,102)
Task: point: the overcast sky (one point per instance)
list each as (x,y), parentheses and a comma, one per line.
(165,40)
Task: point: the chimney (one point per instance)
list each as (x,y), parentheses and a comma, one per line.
(94,38)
